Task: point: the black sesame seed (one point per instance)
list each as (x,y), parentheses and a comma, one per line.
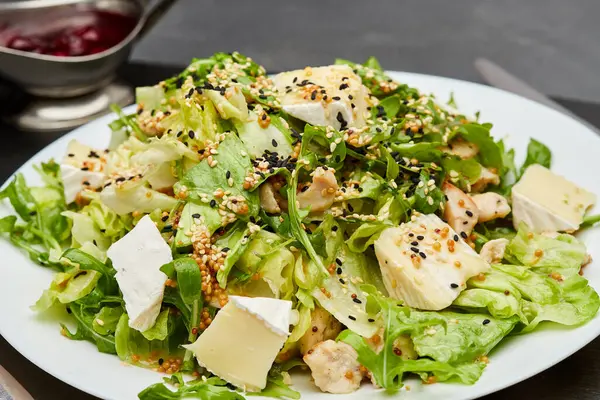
(86,183)
(342,281)
(486,321)
(164,218)
(85,169)
(469,213)
(262,97)
(350,97)
(69,310)
(411,234)
(313,95)
(168,228)
(465,222)
(351,318)
(338,261)
(179,133)
(264,117)
(227,174)
(350,208)
(343,86)
(357,301)
(336,98)
(338,271)
(423,255)
(334,228)
(295,80)
(304,188)
(360,190)
(464,235)
(191,134)
(455,238)
(196,215)
(160,361)
(274,143)
(95,243)
(415,243)
(414,249)
(120,179)
(453,285)
(225,249)
(371,320)
(420,237)
(213,203)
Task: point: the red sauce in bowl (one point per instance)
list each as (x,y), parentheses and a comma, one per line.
(79,34)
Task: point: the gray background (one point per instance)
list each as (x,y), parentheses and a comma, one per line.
(552,44)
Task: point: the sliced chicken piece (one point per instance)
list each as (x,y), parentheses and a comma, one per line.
(268,201)
(425,263)
(335,367)
(491,206)
(320,194)
(323,327)
(462,149)
(460,212)
(493,251)
(487,177)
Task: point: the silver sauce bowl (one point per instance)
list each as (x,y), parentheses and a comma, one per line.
(57,76)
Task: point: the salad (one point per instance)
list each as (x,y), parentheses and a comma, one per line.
(239,226)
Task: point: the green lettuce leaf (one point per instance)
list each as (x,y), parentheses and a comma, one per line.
(541,251)
(205,180)
(510,290)
(387,367)
(160,329)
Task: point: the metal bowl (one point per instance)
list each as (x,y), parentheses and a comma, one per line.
(59,77)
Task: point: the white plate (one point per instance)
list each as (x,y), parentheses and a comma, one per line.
(575,155)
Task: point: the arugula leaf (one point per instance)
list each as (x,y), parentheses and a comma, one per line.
(233,240)
(537,153)
(85,330)
(189,280)
(105,320)
(206,389)
(490,154)
(299,233)
(276,387)
(88,262)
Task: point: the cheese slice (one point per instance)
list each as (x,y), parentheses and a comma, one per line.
(324,96)
(137,258)
(548,202)
(426,263)
(243,340)
(81,168)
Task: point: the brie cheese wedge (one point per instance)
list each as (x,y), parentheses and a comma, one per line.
(547,202)
(426,263)
(137,258)
(243,340)
(324,96)
(81,168)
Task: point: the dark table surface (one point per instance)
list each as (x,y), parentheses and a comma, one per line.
(576,377)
